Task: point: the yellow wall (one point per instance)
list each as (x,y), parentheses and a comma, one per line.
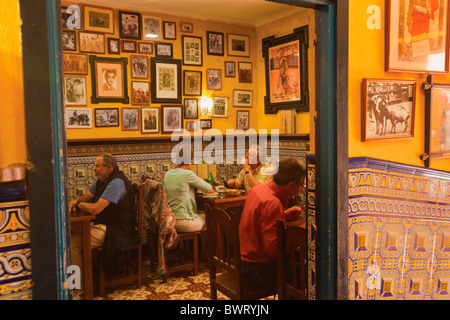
(12,117)
(366,60)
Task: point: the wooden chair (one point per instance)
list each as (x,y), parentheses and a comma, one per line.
(129,277)
(291,262)
(224,257)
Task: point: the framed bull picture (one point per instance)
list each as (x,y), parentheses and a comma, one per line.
(388,108)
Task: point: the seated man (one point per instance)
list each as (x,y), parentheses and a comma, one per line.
(253,172)
(266,203)
(111,200)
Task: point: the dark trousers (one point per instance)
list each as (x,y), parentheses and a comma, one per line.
(260,275)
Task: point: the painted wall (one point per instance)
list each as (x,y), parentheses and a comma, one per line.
(366,60)
(12,114)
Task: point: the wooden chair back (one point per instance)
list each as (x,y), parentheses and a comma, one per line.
(291,262)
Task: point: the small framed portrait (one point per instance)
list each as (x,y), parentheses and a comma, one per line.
(242,98)
(75,63)
(214,79)
(163,50)
(75,91)
(230,69)
(186,27)
(140,93)
(145,47)
(192,81)
(109,79)
(215,43)
(238,45)
(170,30)
(150,120)
(107,117)
(98,19)
(242,119)
(78,118)
(205,124)
(165,80)
(192,50)
(192,125)
(91,42)
(172,119)
(130,119)
(129,46)
(190,108)
(139,67)
(151,28)
(113,45)
(220,107)
(68,40)
(245,74)
(130,25)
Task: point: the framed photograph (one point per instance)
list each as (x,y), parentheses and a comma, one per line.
(171,119)
(129,46)
(150,120)
(192,81)
(238,45)
(145,47)
(78,118)
(245,73)
(130,25)
(242,119)
(190,108)
(130,119)
(220,107)
(139,67)
(163,50)
(68,40)
(140,93)
(66,15)
(109,79)
(387,109)
(215,43)
(242,98)
(214,79)
(113,45)
(230,69)
(192,125)
(417,36)
(98,19)
(286,64)
(192,50)
(107,117)
(75,91)
(186,27)
(151,28)
(205,124)
(170,30)
(91,42)
(166,80)
(75,63)
(437,120)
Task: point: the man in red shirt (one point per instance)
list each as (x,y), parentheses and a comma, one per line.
(266,203)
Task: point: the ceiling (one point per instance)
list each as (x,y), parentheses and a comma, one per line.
(243,12)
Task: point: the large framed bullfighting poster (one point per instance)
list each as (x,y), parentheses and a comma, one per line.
(437,120)
(388,109)
(286,63)
(417,36)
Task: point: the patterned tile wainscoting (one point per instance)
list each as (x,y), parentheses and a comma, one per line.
(399,231)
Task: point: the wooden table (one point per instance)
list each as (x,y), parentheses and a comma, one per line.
(223,202)
(81,221)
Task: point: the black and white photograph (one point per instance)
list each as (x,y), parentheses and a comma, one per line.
(150,120)
(170,30)
(192,125)
(78,118)
(191,108)
(91,42)
(69,40)
(140,93)
(172,119)
(129,46)
(130,25)
(163,50)
(152,28)
(242,98)
(230,69)
(107,117)
(75,91)
(145,47)
(139,67)
(186,27)
(220,107)
(215,43)
(242,119)
(214,79)
(113,45)
(130,119)
(388,109)
(205,124)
